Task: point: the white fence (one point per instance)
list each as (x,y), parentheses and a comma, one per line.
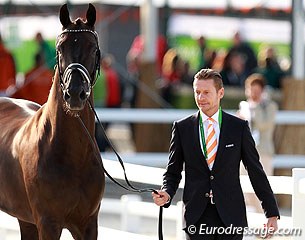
(153,115)
(127,115)
(160,159)
(132,206)
(281,185)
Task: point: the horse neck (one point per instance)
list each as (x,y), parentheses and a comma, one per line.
(61,121)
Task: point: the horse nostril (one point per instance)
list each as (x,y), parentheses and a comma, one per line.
(67,96)
(82,95)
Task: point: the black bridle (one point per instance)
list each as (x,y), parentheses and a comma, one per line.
(89,79)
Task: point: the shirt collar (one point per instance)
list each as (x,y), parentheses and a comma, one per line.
(214,117)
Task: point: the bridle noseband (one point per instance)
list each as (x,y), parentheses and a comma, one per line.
(78,66)
(83,71)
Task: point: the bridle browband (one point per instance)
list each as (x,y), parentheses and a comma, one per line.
(78,66)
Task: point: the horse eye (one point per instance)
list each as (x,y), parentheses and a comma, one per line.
(93,51)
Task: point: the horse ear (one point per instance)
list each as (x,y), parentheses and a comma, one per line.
(91,15)
(64,16)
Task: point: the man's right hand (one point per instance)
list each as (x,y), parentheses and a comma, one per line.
(161,198)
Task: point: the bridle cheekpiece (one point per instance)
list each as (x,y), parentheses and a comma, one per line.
(78,66)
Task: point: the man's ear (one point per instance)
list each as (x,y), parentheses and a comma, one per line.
(221,93)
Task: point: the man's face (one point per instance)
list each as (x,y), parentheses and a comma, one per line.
(206,96)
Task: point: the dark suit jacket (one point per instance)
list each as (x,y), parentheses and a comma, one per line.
(235,145)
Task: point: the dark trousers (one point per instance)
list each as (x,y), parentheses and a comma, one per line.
(209,226)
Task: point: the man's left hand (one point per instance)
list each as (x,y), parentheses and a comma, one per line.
(271,226)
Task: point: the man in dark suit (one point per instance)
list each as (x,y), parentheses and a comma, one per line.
(210,145)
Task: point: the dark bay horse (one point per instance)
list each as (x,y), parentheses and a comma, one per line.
(50,176)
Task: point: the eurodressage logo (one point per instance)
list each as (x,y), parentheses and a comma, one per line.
(246,231)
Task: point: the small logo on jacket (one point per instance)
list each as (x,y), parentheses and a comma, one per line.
(229,145)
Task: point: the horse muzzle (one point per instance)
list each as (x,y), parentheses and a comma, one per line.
(76,98)
(77,86)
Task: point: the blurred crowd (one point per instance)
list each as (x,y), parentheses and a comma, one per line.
(235,64)
(115,87)
(36,84)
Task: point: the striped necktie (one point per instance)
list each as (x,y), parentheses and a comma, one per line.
(211,143)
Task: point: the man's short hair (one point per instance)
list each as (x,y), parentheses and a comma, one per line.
(206,73)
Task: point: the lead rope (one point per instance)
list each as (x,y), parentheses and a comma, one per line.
(130,187)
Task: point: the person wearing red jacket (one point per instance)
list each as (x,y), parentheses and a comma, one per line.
(7,69)
(37,84)
(113,88)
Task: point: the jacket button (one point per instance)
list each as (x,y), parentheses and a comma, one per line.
(212,177)
(207,195)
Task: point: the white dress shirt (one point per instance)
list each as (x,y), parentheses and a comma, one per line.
(205,123)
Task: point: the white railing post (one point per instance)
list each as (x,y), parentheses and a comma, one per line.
(298,201)
(179,232)
(129,221)
(3,233)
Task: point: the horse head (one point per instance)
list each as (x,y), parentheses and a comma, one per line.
(78,58)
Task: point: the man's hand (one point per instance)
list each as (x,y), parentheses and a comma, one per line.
(161,198)
(271,226)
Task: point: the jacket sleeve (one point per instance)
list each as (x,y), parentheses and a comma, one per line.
(258,178)
(172,176)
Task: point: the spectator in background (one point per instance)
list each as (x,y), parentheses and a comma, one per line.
(260,112)
(7,69)
(99,90)
(218,61)
(186,76)
(172,69)
(270,68)
(244,50)
(203,47)
(211,56)
(112,95)
(131,87)
(137,48)
(37,83)
(207,56)
(113,86)
(233,71)
(133,60)
(45,50)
